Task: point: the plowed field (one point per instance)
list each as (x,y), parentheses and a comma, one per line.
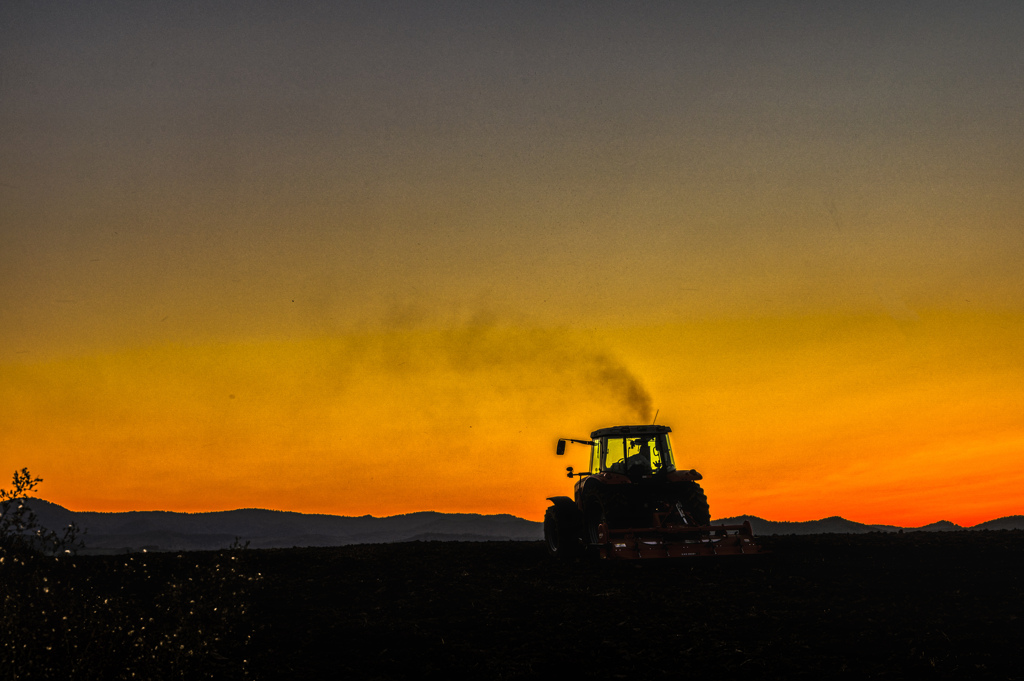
(945,605)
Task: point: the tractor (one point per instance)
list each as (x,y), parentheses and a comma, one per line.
(634,503)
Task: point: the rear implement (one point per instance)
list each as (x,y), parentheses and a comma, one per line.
(677,542)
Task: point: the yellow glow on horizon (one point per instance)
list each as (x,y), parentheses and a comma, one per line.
(787,418)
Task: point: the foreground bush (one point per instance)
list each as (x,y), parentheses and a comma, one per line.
(19,526)
(139,616)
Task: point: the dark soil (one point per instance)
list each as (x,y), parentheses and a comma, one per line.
(935,605)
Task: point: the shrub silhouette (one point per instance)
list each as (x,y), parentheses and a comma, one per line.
(19,526)
(136,616)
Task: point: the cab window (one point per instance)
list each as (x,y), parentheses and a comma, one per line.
(646,450)
(615,455)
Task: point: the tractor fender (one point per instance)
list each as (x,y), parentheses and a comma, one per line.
(679,476)
(563,503)
(567,510)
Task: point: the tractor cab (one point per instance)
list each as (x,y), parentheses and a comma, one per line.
(639,452)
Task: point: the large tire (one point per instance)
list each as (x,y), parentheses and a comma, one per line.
(695,502)
(562,533)
(595,515)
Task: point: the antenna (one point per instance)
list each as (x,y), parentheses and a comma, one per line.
(655,416)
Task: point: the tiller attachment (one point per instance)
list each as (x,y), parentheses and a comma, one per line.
(677,541)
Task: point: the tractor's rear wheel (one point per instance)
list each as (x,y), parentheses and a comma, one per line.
(562,533)
(595,518)
(695,502)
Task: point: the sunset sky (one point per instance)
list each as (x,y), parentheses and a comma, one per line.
(375,258)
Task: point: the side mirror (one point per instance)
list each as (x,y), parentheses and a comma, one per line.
(569,474)
(561,448)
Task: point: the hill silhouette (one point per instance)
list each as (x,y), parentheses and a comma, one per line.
(838,525)
(174,531)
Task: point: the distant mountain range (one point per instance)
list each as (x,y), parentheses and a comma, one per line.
(837,525)
(171,531)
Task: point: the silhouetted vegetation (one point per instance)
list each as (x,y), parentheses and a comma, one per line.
(149,616)
(20,531)
(141,616)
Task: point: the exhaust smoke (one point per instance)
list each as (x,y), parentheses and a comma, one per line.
(620,381)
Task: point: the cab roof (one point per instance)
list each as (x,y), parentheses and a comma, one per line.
(623,431)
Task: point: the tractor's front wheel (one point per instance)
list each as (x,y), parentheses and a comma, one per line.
(562,533)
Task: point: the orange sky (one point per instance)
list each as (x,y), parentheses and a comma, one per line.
(869,417)
(377,260)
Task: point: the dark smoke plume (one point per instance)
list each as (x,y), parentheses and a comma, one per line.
(623,384)
(477,346)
